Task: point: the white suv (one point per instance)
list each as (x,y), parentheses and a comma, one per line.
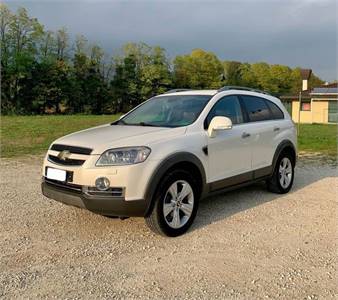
(162,157)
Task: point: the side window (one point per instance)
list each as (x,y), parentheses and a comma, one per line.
(276,111)
(228,106)
(256,108)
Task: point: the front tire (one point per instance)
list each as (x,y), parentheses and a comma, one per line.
(175,204)
(282,179)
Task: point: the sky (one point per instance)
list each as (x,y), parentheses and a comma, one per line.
(291,32)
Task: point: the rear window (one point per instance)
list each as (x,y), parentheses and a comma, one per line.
(276,111)
(256,108)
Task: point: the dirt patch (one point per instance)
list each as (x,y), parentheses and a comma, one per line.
(246,244)
(317,158)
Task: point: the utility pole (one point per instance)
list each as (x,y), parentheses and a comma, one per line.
(300,107)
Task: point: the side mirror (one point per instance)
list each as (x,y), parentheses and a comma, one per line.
(217,124)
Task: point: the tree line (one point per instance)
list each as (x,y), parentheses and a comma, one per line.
(45,72)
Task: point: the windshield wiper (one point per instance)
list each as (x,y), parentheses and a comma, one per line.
(121,122)
(144,124)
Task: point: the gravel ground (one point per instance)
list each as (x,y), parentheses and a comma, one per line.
(246,244)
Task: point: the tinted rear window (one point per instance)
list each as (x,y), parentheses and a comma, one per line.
(276,111)
(256,108)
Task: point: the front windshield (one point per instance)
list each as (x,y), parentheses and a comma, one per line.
(167,111)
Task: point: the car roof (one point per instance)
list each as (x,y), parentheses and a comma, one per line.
(190,92)
(212,93)
(224,90)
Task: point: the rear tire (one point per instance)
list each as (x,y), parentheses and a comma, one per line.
(281,180)
(175,204)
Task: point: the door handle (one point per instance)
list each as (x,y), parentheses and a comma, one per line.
(245,135)
(276,129)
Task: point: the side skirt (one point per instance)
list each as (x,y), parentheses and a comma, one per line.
(238,181)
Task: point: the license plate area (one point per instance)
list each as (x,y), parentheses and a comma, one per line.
(59,175)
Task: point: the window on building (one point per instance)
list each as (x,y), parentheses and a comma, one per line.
(333,111)
(306,106)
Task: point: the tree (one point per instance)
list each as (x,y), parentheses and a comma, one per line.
(96,55)
(125,83)
(233,72)
(141,72)
(62,43)
(280,79)
(6,18)
(20,34)
(248,77)
(41,72)
(25,31)
(48,46)
(46,87)
(200,69)
(155,77)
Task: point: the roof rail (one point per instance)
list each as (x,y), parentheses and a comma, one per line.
(241,88)
(176,90)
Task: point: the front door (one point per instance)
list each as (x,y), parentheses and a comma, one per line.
(229,152)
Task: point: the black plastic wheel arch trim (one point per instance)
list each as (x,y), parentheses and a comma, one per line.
(170,161)
(284,144)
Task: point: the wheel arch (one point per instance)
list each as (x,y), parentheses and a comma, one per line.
(181,160)
(285,145)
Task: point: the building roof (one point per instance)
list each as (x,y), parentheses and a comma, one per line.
(331,85)
(305,95)
(325,91)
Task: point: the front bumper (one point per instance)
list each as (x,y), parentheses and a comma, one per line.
(108,206)
(134,179)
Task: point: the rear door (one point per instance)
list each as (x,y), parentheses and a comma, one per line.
(263,128)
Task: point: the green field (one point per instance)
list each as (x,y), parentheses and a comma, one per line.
(318,138)
(22,135)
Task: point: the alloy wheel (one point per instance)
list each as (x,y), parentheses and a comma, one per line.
(178,204)
(285,172)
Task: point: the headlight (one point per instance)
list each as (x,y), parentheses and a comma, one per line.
(123,156)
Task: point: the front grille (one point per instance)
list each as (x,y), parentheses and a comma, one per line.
(64,185)
(71,149)
(66,162)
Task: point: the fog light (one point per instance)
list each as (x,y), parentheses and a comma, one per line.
(102,183)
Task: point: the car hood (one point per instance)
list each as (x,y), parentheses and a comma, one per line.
(109,136)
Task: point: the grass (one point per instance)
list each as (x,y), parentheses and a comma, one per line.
(22,135)
(319,138)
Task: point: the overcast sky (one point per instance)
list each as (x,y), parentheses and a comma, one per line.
(292,32)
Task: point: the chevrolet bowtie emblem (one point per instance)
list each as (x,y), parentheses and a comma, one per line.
(63,155)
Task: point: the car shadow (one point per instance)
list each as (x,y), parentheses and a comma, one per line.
(224,205)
